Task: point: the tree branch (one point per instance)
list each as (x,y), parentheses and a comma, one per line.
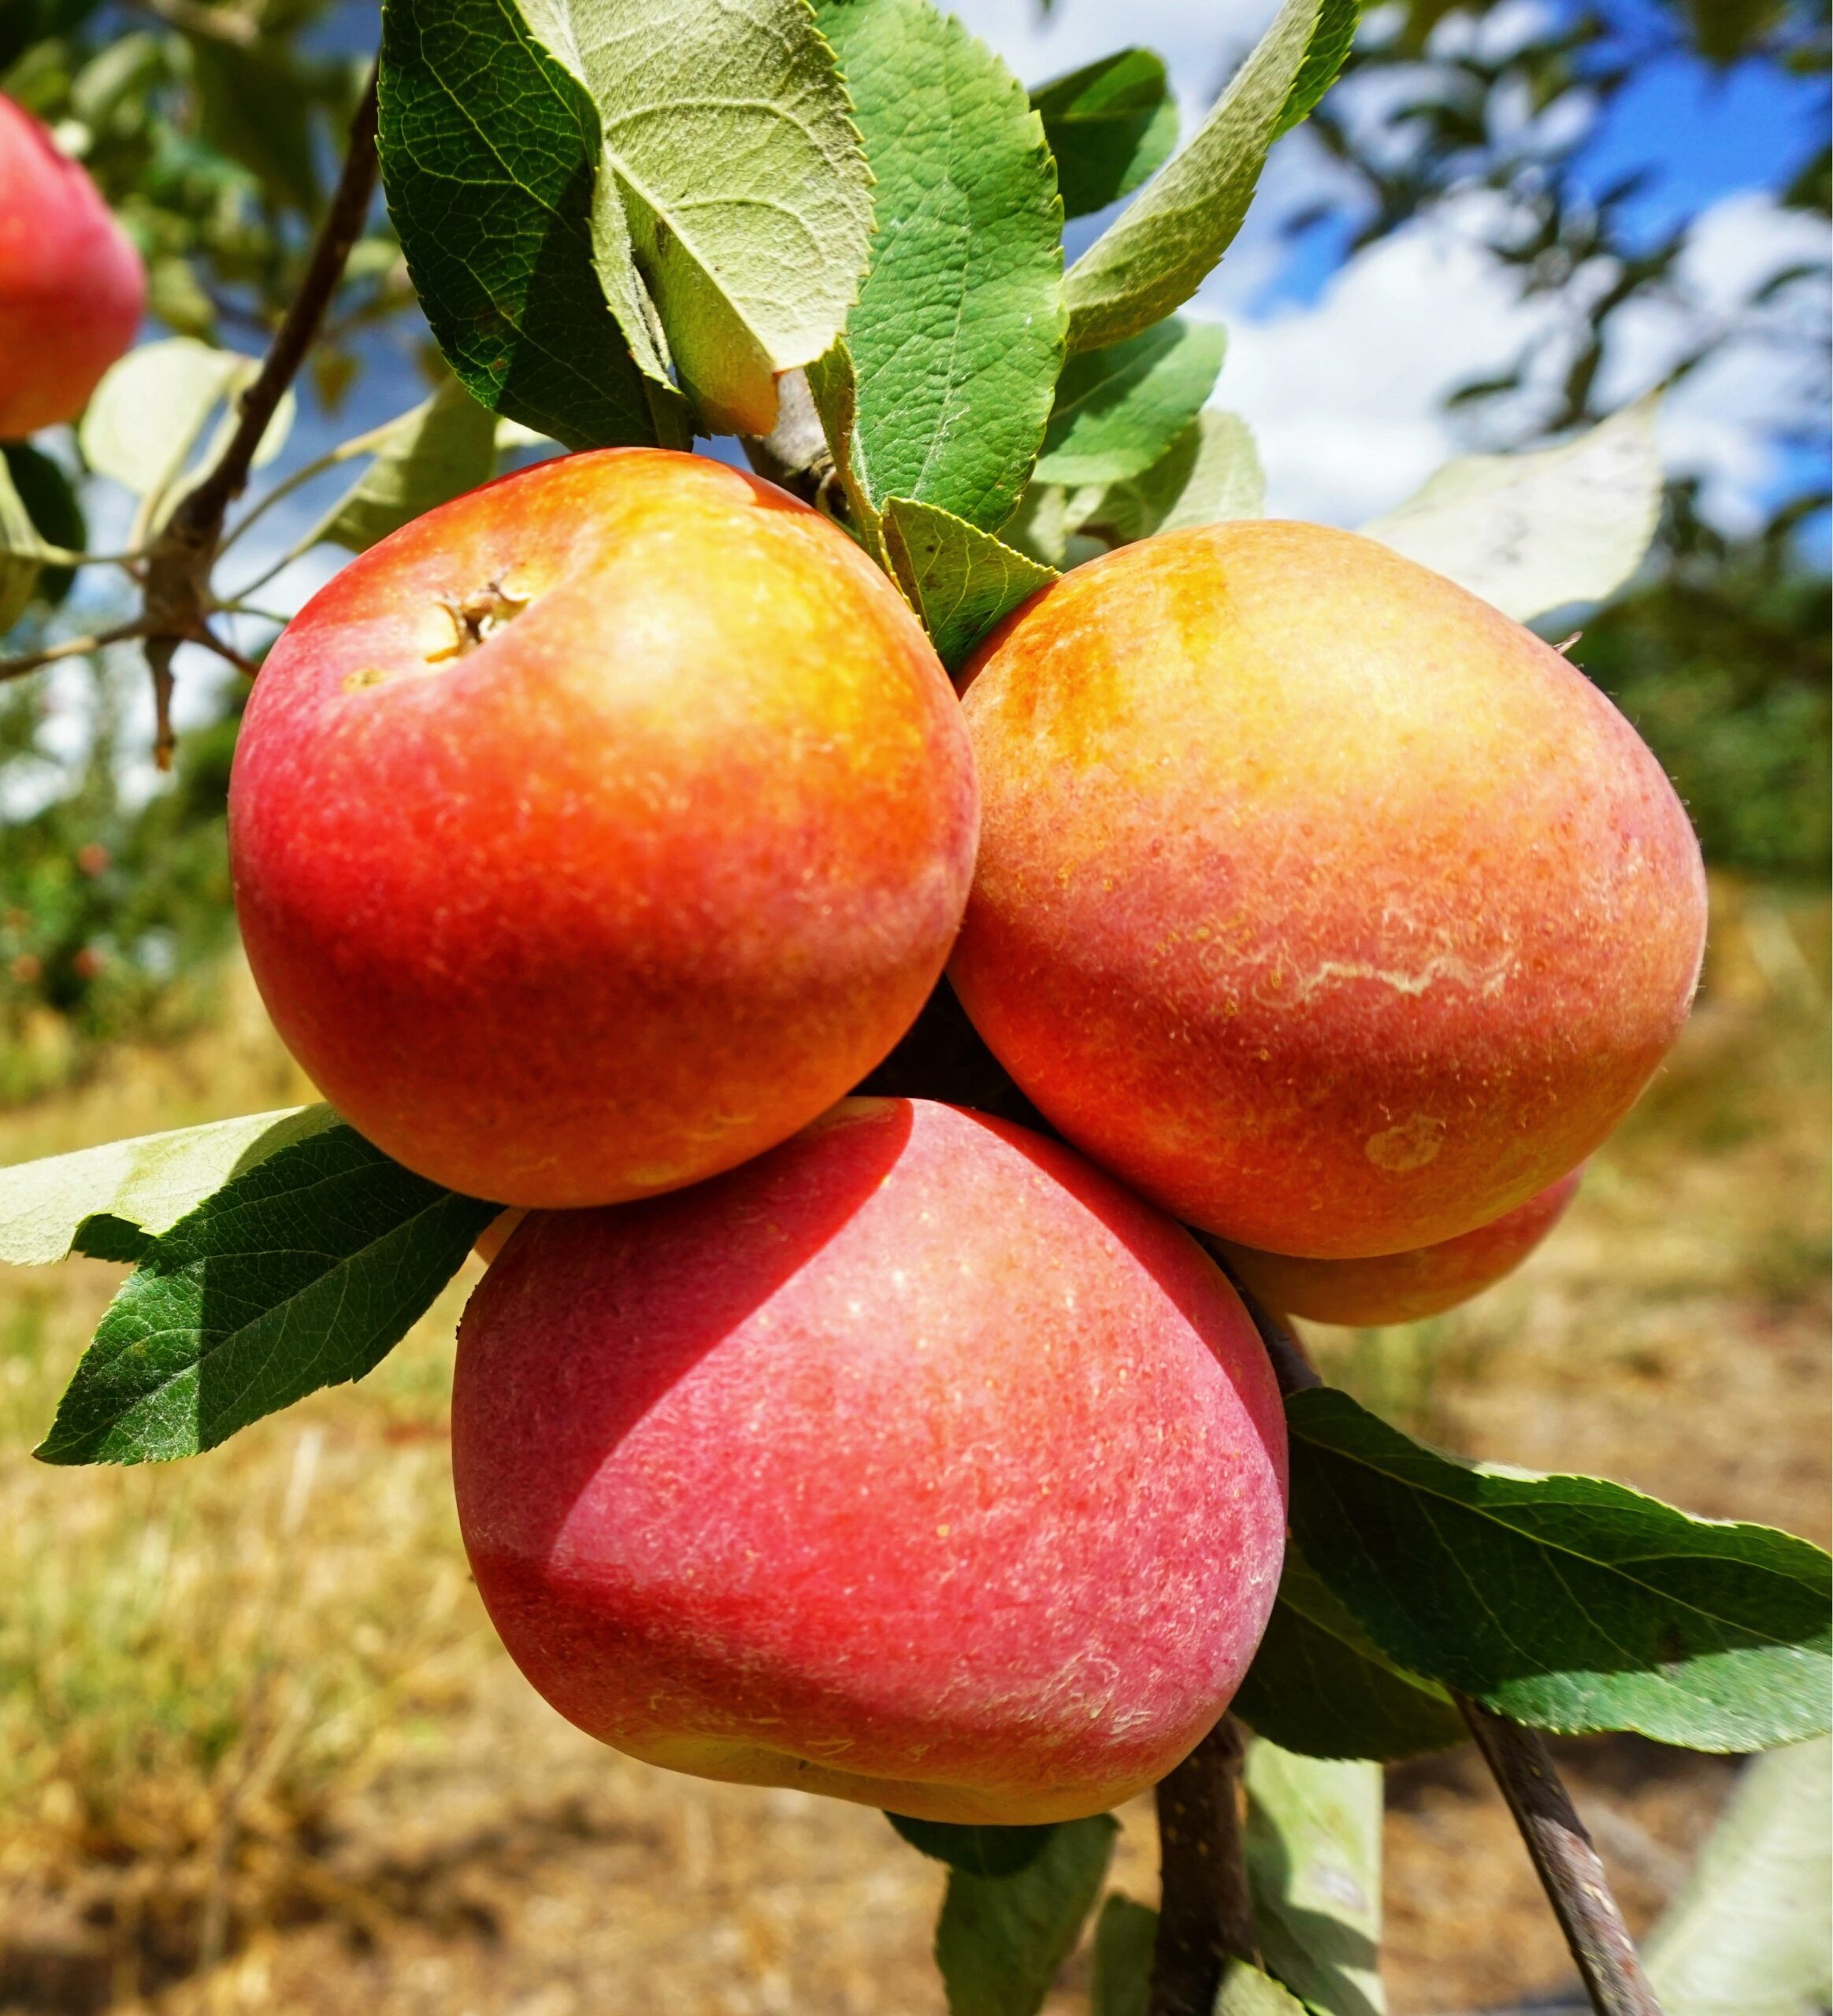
(72,647)
(1561,1851)
(1205,1916)
(1565,1861)
(179,561)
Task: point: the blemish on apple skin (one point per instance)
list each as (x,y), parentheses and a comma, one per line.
(1410,1146)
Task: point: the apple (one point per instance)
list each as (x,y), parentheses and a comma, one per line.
(915,1462)
(597,830)
(1316,899)
(1402,1287)
(71,286)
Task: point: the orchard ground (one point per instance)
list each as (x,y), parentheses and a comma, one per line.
(253,1705)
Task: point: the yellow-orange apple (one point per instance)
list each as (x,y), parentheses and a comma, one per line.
(1332,909)
(1402,1287)
(599,829)
(71,286)
(915,1462)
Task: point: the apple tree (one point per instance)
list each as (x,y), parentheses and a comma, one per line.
(947,1448)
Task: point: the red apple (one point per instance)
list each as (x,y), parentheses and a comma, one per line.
(1318,900)
(1401,1288)
(71,286)
(597,830)
(915,1462)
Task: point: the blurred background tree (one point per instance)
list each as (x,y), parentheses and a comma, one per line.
(214,127)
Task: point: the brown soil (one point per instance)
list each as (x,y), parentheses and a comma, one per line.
(259,1751)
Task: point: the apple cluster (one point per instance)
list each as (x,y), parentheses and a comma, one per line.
(596,833)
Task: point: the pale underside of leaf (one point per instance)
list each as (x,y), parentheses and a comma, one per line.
(149,1182)
(1313,1846)
(954,346)
(745,198)
(1751,1934)
(444,446)
(1533,532)
(1157,253)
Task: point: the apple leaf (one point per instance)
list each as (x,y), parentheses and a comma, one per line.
(74,1203)
(490,155)
(1000,1940)
(955,344)
(1570,1603)
(444,446)
(1211,472)
(1751,1934)
(1120,1965)
(1318,1687)
(300,1271)
(1533,532)
(960,580)
(1330,44)
(1244,1991)
(1158,251)
(1118,410)
(21,552)
(1313,1847)
(974,1851)
(53,514)
(732,199)
(1110,125)
(149,413)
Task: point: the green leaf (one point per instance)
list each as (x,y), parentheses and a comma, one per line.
(1000,1940)
(446,446)
(974,1851)
(254,105)
(957,339)
(51,1209)
(1313,1846)
(1157,253)
(1569,1603)
(1211,472)
(1120,1971)
(1319,1686)
(1246,1991)
(1110,125)
(1330,44)
(299,1273)
(54,509)
(731,188)
(960,580)
(21,551)
(147,415)
(1119,410)
(490,154)
(1533,532)
(1751,1932)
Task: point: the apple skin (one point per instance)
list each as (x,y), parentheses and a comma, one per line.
(1321,903)
(71,286)
(642,883)
(915,1463)
(1402,1287)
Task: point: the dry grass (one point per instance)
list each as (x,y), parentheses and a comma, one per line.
(259,1751)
